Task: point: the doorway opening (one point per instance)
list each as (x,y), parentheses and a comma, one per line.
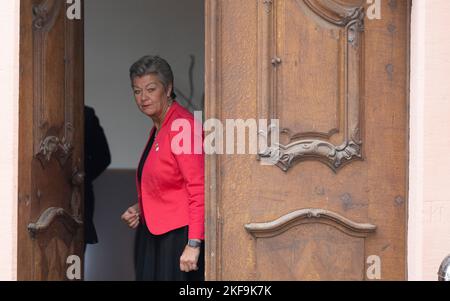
(117,33)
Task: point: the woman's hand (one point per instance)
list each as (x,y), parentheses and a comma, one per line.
(131,216)
(189,259)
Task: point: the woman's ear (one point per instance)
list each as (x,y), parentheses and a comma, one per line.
(169,90)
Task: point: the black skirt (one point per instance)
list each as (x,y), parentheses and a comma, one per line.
(158,256)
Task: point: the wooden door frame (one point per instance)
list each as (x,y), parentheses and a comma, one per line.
(213,215)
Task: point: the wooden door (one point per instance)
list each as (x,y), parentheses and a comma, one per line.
(334,206)
(50,220)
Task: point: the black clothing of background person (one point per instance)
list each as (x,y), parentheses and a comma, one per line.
(97,159)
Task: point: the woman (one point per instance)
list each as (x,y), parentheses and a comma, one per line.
(170,184)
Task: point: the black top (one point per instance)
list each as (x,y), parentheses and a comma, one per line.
(145,155)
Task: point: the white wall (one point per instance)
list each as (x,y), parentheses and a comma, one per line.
(9,98)
(117,34)
(429,213)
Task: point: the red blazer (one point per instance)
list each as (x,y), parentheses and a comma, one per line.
(171,194)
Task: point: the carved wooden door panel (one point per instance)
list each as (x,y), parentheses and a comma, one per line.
(51,167)
(334,205)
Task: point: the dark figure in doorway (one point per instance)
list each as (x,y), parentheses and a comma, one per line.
(97,159)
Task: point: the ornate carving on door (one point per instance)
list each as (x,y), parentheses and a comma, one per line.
(53,245)
(287,248)
(52,146)
(287,66)
(303,216)
(50,216)
(44,15)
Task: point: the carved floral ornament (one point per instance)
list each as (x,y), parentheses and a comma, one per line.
(45,13)
(301,146)
(286,155)
(268,5)
(60,148)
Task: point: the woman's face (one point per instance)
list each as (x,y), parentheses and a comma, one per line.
(150,95)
